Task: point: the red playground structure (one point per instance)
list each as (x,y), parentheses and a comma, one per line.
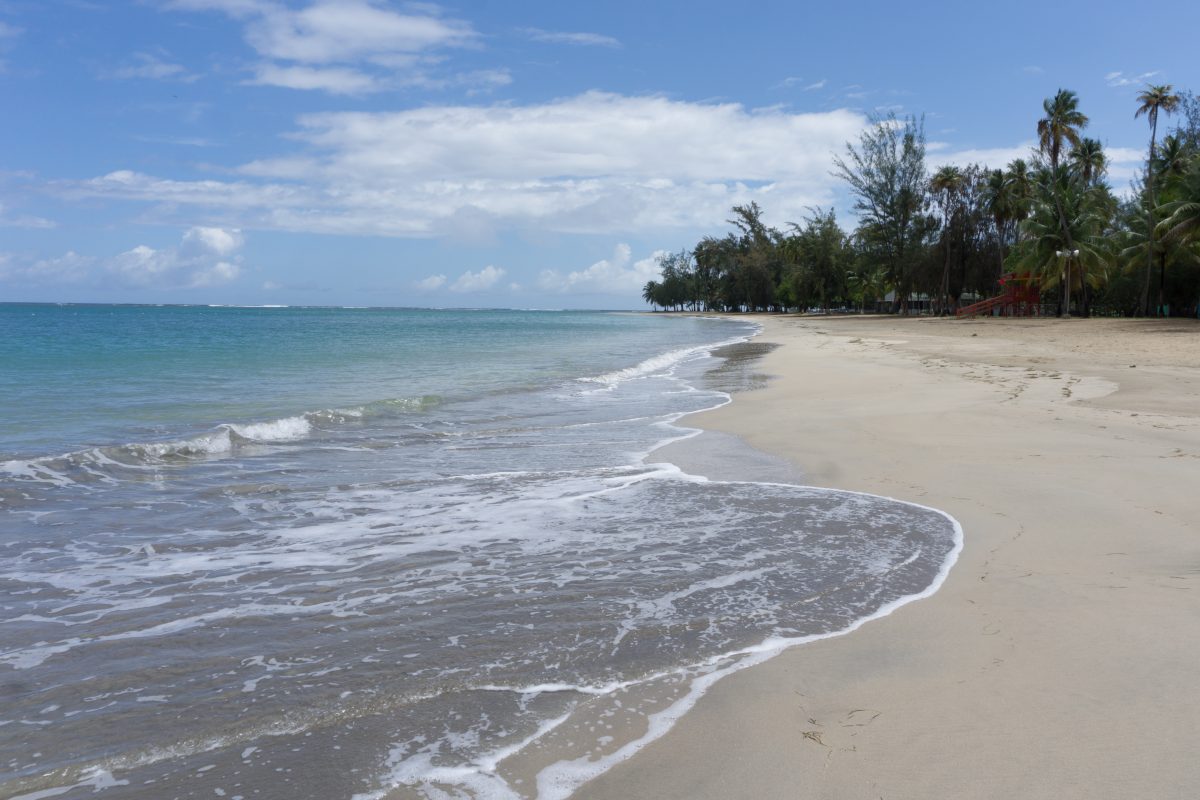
(1022,297)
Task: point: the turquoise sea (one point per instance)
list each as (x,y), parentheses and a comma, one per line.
(350,553)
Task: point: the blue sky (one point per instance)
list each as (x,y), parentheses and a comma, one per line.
(518,154)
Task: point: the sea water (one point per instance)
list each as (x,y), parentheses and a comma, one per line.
(335,553)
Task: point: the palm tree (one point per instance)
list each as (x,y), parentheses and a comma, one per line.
(1151,100)
(1089,161)
(1182,221)
(650,294)
(868,284)
(1020,187)
(1172,161)
(946,185)
(1062,123)
(1084,210)
(1000,206)
(1009,198)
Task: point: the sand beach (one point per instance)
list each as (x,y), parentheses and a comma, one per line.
(1060,657)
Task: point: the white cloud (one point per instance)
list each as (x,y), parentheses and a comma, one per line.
(1119,79)
(7,34)
(787,83)
(475,81)
(335,80)
(1125,155)
(152,67)
(1123,162)
(201,241)
(341,46)
(70,267)
(235,8)
(203,258)
(990,157)
(561,37)
(24,221)
(480,281)
(183,141)
(614,275)
(479,79)
(330,31)
(432,283)
(595,163)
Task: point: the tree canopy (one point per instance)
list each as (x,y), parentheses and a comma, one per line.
(929,238)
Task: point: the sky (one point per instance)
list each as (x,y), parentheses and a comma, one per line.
(498,154)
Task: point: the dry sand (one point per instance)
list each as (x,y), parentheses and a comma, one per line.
(1061,658)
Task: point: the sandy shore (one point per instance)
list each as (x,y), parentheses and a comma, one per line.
(1061,659)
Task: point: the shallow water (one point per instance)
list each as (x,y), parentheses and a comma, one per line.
(355,590)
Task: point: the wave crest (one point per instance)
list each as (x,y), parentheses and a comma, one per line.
(108,463)
(659,364)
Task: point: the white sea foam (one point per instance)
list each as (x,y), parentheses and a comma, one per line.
(287,429)
(96,779)
(662,363)
(561,780)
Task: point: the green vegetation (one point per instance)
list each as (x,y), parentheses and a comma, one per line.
(928,242)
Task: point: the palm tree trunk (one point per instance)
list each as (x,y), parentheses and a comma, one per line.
(1162,282)
(1065,307)
(1150,215)
(1002,235)
(945,290)
(1144,301)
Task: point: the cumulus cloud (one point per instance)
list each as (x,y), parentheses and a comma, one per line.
(204,257)
(70,267)
(616,275)
(594,163)
(479,281)
(340,46)
(432,283)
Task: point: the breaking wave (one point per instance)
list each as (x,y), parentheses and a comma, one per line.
(109,463)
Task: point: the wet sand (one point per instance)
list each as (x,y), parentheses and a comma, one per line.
(1061,657)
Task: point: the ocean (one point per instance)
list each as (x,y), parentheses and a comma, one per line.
(367,553)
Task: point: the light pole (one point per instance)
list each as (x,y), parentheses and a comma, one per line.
(1066,278)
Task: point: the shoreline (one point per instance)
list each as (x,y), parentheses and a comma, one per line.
(1056,657)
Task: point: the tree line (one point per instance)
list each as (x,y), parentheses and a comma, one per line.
(930,240)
